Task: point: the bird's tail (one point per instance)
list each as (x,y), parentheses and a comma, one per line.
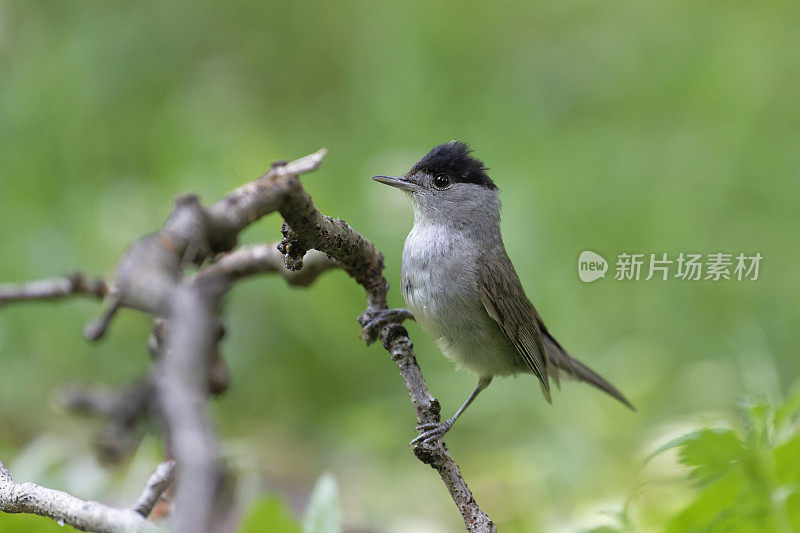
(561,360)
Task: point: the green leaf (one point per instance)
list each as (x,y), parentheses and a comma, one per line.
(269,514)
(711,453)
(322,514)
(674,443)
(713,507)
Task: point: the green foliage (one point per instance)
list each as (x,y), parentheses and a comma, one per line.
(748,479)
(709,452)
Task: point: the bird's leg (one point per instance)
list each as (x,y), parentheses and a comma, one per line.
(433,430)
(372,329)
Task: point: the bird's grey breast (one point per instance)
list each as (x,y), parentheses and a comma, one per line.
(440,286)
(439,278)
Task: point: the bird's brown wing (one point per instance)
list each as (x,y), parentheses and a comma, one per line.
(504,299)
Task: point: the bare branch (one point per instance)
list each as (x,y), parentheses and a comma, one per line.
(265,259)
(124,411)
(52,289)
(150,278)
(155,487)
(357,256)
(250,202)
(182,387)
(395,340)
(123,405)
(67,509)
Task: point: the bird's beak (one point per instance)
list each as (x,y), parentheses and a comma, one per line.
(401,183)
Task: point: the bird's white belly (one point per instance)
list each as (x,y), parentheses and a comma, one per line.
(442,293)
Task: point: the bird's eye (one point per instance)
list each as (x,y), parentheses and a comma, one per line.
(441,181)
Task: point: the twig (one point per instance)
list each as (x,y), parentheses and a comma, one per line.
(156,485)
(52,289)
(395,339)
(124,411)
(67,509)
(265,259)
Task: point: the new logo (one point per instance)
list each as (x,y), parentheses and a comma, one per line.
(591,266)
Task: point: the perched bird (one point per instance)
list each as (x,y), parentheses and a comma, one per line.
(461,287)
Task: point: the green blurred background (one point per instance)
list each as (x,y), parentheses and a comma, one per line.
(610,126)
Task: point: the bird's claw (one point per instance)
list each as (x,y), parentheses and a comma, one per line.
(372,329)
(431,431)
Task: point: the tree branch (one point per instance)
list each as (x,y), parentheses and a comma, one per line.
(266,259)
(80,514)
(52,289)
(124,411)
(156,485)
(201,503)
(395,339)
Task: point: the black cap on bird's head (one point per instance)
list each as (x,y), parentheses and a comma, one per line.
(454,160)
(445,165)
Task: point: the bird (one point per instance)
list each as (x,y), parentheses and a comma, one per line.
(461,287)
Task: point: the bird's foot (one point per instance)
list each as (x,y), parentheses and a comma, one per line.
(372,329)
(431,431)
